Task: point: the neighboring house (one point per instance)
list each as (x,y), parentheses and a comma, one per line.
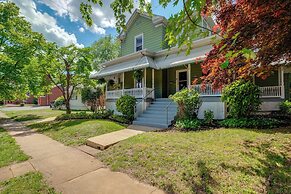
(167,71)
(49,98)
(76,101)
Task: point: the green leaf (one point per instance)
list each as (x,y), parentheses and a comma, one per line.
(225,64)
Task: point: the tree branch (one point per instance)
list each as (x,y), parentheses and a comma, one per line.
(194,22)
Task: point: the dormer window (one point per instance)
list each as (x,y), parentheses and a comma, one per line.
(138,42)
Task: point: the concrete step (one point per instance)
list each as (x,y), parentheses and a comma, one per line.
(162,108)
(149,115)
(159,112)
(143,128)
(154,120)
(104,141)
(159,125)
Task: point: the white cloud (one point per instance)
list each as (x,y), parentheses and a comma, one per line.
(103,17)
(46,24)
(81,29)
(95,29)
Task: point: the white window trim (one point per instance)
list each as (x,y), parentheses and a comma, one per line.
(135,41)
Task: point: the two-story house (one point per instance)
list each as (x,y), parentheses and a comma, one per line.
(166,71)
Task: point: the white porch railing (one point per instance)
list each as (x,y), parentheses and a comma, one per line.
(136,92)
(271,91)
(207,90)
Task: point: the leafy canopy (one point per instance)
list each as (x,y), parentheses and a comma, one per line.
(67,68)
(105,49)
(19,46)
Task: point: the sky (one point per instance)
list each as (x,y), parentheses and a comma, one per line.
(60,21)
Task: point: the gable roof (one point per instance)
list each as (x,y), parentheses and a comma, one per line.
(156,19)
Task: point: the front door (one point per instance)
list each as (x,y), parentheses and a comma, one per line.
(182,79)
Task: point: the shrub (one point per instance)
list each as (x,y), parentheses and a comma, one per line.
(188,102)
(35,101)
(242,98)
(21,104)
(90,97)
(120,119)
(100,114)
(258,123)
(208,117)
(188,124)
(59,102)
(125,105)
(285,107)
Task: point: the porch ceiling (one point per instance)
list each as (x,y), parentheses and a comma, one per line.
(140,63)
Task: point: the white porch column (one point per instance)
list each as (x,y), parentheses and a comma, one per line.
(153,83)
(282,82)
(189,76)
(123,83)
(144,90)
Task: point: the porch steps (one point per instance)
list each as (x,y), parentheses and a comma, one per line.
(156,114)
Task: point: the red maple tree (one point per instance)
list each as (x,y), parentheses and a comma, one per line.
(255,39)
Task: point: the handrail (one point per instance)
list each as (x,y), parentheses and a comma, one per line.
(167,111)
(144,98)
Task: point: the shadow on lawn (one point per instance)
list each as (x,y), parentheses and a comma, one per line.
(284,130)
(55,125)
(205,182)
(274,166)
(26,117)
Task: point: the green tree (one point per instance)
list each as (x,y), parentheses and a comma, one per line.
(67,68)
(105,49)
(18,46)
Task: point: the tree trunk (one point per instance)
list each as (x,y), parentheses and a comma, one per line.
(68,107)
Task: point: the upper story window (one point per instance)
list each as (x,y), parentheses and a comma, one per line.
(138,42)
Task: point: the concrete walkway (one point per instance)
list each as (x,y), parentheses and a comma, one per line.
(15,170)
(71,170)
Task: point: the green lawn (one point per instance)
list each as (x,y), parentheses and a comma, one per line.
(27,115)
(30,183)
(75,132)
(9,151)
(213,161)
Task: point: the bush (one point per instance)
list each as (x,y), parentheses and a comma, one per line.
(242,98)
(285,107)
(188,102)
(257,123)
(21,104)
(125,105)
(59,102)
(100,114)
(120,119)
(208,117)
(35,101)
(188,124)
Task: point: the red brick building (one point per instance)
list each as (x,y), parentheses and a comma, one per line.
(49,98)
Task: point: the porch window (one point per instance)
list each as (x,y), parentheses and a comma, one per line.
(138,43)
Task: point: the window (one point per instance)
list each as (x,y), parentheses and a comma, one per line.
(138,43)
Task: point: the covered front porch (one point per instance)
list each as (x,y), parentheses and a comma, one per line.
(163,83)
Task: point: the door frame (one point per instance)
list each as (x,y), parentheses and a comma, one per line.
(177,77)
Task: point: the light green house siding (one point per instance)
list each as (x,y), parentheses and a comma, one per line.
(152,36)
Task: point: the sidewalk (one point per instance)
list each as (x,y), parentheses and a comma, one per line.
(70,170)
